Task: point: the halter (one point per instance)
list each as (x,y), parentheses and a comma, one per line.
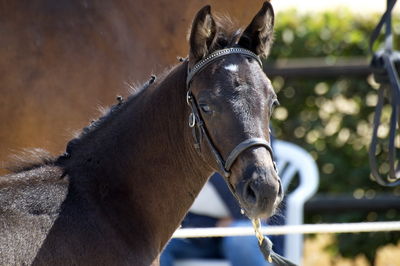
(197,123)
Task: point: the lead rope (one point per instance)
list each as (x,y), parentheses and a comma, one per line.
(385,73)
(266,247)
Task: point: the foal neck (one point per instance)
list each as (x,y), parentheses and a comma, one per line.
(142,167)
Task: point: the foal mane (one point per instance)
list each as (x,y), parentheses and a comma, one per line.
(29,159)
(108,114)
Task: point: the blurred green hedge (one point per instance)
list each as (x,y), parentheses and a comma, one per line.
(332,117)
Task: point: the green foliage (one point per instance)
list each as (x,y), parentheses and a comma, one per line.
(332,117)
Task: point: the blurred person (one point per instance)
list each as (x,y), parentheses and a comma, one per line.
(226,212)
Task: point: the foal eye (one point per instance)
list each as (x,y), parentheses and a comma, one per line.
(205,108)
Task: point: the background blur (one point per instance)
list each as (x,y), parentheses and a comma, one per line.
(61,60)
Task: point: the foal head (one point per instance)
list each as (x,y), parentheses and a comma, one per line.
(232,101)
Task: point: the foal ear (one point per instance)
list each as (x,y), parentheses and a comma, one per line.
(258,36)
(202,34)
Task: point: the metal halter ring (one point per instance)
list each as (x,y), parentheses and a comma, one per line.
(192,120)
(188,97)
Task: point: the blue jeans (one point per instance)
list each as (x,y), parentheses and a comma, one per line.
(238,250)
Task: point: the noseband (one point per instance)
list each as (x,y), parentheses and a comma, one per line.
(197,124)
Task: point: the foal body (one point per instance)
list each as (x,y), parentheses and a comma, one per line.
(103,205)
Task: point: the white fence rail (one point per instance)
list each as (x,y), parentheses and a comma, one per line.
(290,229)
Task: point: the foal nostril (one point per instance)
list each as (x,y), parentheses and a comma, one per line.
(250,195)
(258,192)
(280,192)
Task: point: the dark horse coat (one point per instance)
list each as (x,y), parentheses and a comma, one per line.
(122,187)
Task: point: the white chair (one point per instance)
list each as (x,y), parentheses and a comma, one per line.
(292,161)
